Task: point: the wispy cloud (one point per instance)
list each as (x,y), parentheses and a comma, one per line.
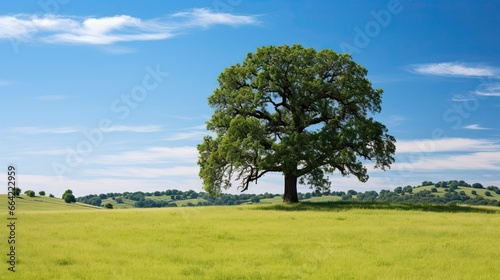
(446,145)
(138,129)
(205,18)
(489,89)
(475,127)
(113,29)
(52,97)
(395,120)
(454,69)
(39,130)
(464,98)
(191,133)
(4,83)
(53,152)
(143,172)
(445,163)
(150,155)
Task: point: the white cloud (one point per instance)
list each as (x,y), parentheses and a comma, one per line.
(112,29)
(39,130)
(150,155)
(475,127)
(446,145)
(206,18)
(191,133)
(489,89)
(481,161)
(139,129)
(143,172)
(65,130)
(53,152)
(186,135)
(454,69)
(464,98)
(395,120)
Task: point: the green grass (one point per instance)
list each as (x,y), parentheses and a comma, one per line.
(326,240)
(45,203)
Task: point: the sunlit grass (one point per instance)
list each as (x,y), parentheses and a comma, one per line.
(244,242)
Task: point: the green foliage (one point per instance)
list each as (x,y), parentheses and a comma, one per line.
(17,191)
(30,193)
(294,110)
(408,189)
(108,206)
(41,193)
(418,195)
(68,196)
(352,192)
(477,186)
(51,195)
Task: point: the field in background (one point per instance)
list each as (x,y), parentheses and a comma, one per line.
(250,242)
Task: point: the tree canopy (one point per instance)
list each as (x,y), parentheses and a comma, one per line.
(294,110)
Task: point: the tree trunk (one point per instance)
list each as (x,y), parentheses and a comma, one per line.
(290,195)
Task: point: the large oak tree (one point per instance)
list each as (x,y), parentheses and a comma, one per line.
(294,110)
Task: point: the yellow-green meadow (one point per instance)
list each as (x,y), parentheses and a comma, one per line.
(252,242)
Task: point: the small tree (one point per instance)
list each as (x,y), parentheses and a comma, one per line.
(29,193)
(68,196)
(408,189)
(477,186)
(17,191)
(109,206)
(474,192)
(51,195)
(41,193)
(487,193)
(352,192)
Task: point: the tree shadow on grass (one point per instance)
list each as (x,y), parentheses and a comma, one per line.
(350,205)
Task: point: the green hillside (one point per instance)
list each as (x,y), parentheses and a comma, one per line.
(44,203)
(468,191)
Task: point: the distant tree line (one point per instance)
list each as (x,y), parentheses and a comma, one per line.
(453,194)
(407,194)
(168,198)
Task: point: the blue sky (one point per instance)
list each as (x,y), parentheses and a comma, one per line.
(111,97)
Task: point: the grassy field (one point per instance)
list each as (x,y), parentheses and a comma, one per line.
(309,241)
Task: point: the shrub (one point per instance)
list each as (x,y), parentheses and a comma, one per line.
(29,193)
(477,186)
